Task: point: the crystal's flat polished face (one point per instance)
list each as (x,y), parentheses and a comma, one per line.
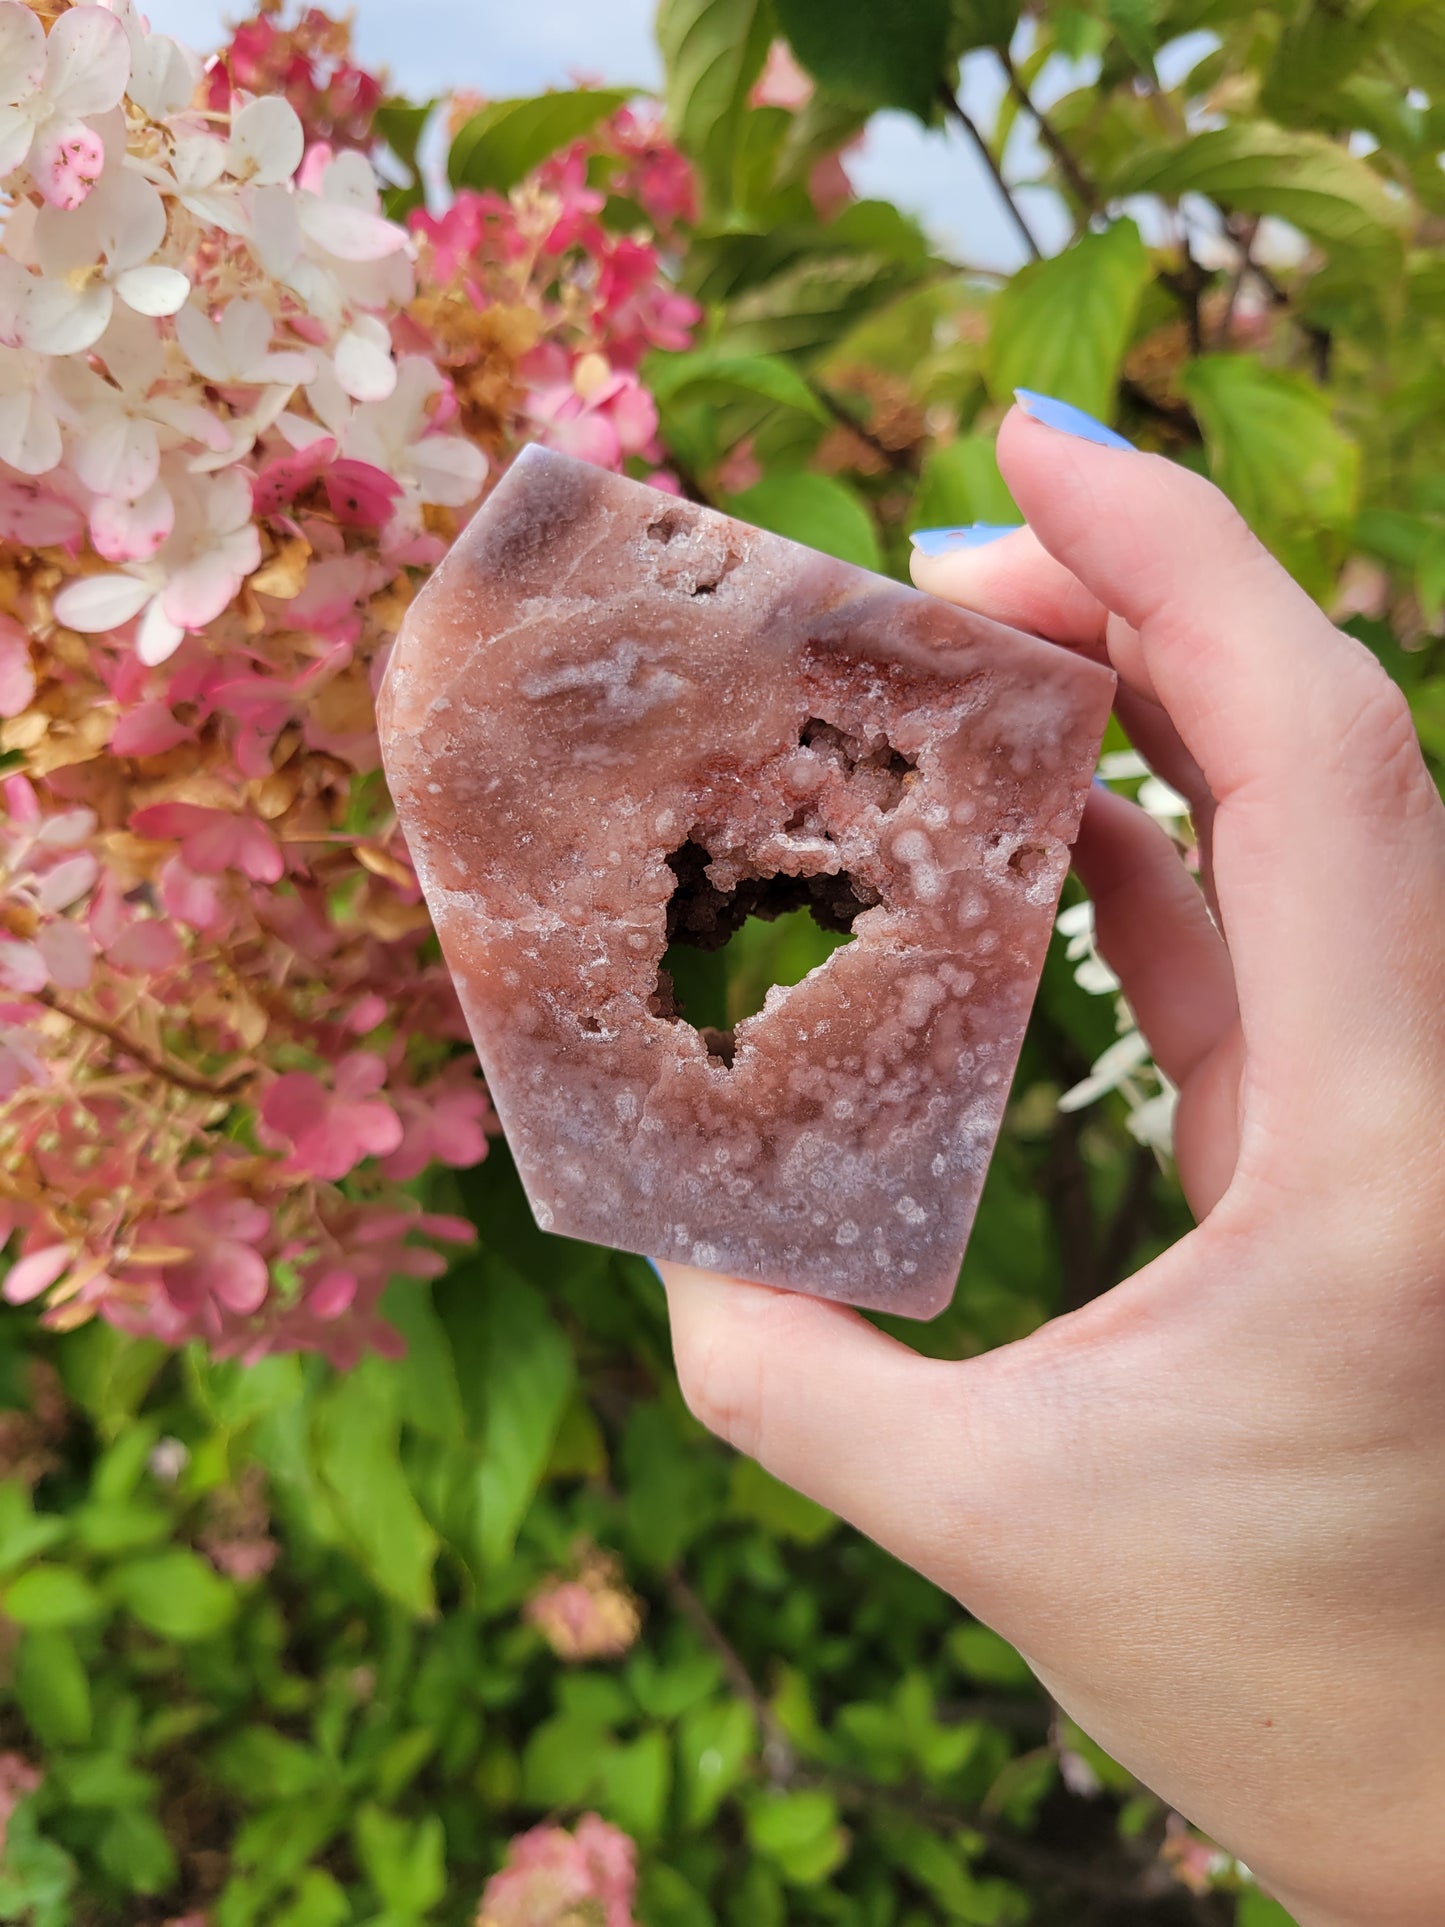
(614,719)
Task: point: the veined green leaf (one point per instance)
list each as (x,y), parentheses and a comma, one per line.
(357,1453)
(501,144)
(713,375)
(818,510)
(1061,326)
(871,55)
(713,51)
(1277,453)
(1262,169)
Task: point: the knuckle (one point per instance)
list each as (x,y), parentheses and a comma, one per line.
(1377,751)
(725,1366)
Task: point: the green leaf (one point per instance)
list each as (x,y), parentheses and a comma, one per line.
(1276,452)
(405,1860)
(401,124)
(52,1687)
(870,55)
(108,1373)
(50,1595)
(319,1901)
(712,51)
(1262,169)
(633,1784)
(36,1876)
(521,1374)
(265,1765)
(23,1533)
(1061,326)
(799,1833)
(358,1455)
(671,1490)
(755,1494)
(817,510)
(135,1852)
(1258,1910)
(176,1594)
(960,483)
(987,1658)
(501,145)
(716,1744)
(427,1395)
(714,375)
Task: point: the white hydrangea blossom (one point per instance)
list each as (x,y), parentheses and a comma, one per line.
(1126,1066)
(182,292)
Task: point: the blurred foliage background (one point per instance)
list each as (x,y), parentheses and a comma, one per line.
(302,1648)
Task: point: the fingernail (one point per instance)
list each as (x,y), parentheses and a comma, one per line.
(1100,784)
(972,536)
(1069,420)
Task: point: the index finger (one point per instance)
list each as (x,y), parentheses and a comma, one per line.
(1329,847)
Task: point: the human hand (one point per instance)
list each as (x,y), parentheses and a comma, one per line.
(1209,1507)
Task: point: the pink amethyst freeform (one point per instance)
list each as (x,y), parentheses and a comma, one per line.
(613,720)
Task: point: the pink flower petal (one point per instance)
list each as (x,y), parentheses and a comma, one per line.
(281,481)
(33,514)
(67,882)
(149,945)
(17,675)
(148,730)
(68,955)
(239,1278)
(36,1272)
(190,899)
(361,495)
(66,161)
(22,967)
(132,531)
(332,1295)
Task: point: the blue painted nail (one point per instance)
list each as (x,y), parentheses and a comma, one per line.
(973,536)
(1069,420)
(654,1270)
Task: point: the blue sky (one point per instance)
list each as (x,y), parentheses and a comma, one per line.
(526,45)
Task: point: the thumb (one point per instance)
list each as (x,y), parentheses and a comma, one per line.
(889,1440)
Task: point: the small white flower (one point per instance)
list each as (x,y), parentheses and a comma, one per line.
(86,259)
(48,91)
(266,142)
(212,548)
(236,349)
(1125,1055)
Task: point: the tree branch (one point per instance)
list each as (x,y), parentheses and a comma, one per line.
(778,1755)
(1080,186)
(954,110)
(161,1067)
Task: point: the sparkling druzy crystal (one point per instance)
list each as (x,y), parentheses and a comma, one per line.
(614,721)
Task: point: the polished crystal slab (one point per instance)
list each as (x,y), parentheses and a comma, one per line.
(613,720)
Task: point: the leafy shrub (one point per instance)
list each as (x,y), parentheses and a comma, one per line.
(341,1582)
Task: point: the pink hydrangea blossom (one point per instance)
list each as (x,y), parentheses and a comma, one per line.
(554,1877)
(242,412)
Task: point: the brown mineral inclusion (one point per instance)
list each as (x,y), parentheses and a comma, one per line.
(614,720)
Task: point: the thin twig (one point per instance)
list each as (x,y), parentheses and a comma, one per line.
(158,1066)
(779,1756)
(1082,188)
(954,109)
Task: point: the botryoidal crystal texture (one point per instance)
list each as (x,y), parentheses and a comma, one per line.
(614,720)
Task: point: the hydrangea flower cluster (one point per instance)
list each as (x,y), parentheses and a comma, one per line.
(555,1878)
(242,411)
